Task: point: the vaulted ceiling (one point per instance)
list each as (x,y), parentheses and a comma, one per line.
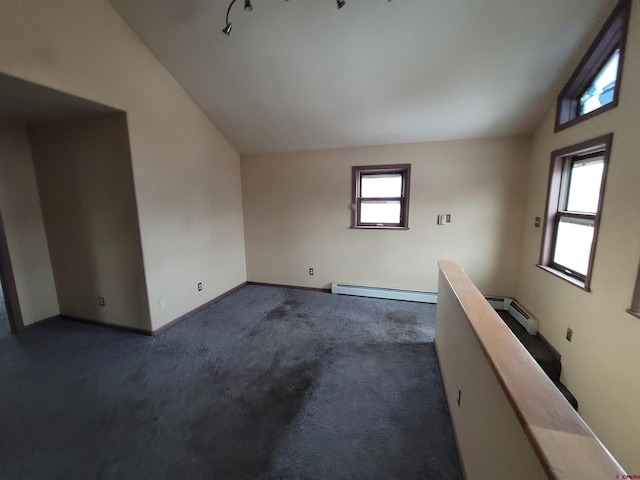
(303,74)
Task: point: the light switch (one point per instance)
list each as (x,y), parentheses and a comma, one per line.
(444,219)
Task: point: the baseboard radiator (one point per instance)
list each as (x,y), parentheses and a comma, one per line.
(499,303)
(514,309)
(388,293)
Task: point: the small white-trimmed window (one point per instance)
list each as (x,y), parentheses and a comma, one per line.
(380,196)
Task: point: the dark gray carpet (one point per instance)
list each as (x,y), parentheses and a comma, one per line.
(268,383)
(538,350)
(548,361)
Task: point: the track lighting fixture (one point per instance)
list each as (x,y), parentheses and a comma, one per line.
(227,28)
(248,7)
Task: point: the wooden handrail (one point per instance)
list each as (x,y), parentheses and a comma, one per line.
(565,445)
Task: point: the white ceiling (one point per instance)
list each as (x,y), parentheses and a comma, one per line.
(302,74)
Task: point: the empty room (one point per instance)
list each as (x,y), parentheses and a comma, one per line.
(319,239)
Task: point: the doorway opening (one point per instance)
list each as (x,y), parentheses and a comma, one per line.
(23,105)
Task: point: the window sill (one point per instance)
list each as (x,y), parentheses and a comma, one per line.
(581,118)
(563,276)
(363,227)
(635,314)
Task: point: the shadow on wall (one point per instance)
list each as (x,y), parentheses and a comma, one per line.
(5,328)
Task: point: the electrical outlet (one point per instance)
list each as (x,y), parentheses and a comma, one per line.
(101,301)
(569,334)
(162,303)
(311,271)
(459,396)
(200,286)
(537,222)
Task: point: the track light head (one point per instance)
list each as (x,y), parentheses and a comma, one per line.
(248,7)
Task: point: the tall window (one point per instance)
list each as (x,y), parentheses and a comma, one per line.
(381,196)
(574,204)
(594,86)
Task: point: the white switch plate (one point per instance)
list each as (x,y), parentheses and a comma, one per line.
(444,219)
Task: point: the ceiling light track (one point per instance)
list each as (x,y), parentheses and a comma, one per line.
(248,7)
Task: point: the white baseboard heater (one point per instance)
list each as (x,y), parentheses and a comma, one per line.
(388,293)
(499,303)
(523,317)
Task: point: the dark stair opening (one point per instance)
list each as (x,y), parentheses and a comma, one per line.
(542,354)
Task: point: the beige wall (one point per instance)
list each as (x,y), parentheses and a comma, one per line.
(601,364)
(24,228)
(83,169)
(186,175)
(297,215)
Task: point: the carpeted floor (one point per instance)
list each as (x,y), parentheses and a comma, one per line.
(268,383)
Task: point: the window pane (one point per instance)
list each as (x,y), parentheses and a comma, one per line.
(380,212)
(600,92)
(573,244)
(387,185)
(584,189)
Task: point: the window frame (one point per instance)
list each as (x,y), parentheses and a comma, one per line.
(612,36)
(561,161)
(356,200)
